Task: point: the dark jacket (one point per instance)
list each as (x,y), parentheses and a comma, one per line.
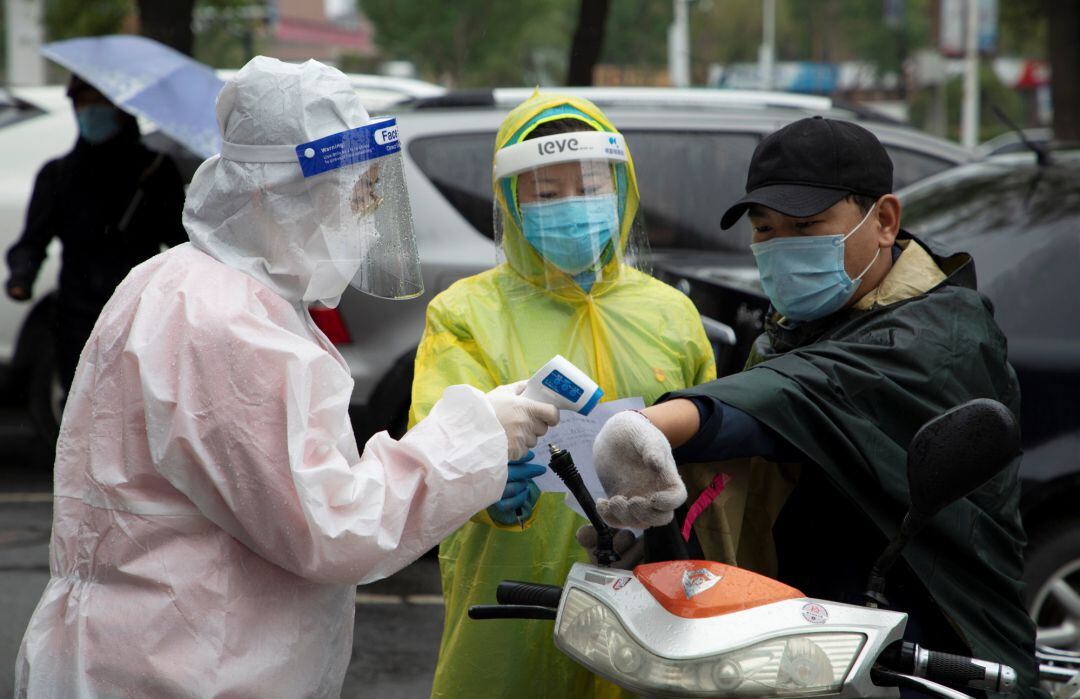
(112,206)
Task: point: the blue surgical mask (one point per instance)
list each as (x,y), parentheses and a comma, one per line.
(804,277)
(97,122)
(573,232)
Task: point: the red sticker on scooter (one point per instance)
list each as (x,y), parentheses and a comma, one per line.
(621,583)
(695,582)
(815,613)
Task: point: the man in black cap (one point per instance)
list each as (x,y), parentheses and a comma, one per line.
(870,335)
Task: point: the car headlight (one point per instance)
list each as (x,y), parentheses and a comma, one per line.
(796,665)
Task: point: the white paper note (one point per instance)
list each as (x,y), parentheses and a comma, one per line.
(576,434)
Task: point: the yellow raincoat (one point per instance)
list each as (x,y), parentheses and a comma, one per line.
(633,334)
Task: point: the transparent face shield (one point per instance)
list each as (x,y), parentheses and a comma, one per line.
(357,187)
(565,210)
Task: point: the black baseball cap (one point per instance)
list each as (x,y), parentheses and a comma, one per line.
(806,167)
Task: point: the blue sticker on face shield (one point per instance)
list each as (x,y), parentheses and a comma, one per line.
(349,147)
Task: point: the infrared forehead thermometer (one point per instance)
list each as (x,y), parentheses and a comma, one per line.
(563,385)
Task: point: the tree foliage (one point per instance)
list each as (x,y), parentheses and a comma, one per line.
(475,42)
(636,33)
(728,31)
(67,19)
(227,33)
(1023,28)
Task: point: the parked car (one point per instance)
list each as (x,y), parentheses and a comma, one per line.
(1021,222)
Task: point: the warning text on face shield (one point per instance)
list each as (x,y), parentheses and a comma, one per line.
(348,148)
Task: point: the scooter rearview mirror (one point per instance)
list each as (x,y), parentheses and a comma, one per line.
(957,452)
(948,457)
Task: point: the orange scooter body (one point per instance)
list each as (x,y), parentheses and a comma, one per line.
(701,589)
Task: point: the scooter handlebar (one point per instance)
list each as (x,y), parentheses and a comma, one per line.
(511,611)
(951,670)
(562,464)
(531,594)
(961,671)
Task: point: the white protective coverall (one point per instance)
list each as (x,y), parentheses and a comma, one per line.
(212,513)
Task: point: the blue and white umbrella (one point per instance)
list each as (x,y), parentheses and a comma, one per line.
(149,80)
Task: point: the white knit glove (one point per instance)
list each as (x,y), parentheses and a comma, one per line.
(634,462)
(525,420)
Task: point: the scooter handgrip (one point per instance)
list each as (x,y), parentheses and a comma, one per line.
(960,671)
(533,594)
(511,611)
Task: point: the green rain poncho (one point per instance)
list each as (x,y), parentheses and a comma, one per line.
(851,390)
(634,335)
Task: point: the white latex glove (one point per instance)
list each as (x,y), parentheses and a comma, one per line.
(631,549)
(525,420)
(634,462)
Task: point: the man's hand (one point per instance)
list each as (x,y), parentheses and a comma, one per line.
(631,549)
(634,462)
(18,292)
(524,420)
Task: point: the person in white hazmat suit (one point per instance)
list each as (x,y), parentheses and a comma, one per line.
(212,510)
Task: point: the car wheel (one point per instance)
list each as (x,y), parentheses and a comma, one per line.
(46,395)
(1053,584)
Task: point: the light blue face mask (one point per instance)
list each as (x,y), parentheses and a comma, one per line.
(573,232)
(97,122)
(804,277)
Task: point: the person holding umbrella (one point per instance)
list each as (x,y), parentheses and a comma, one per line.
(111,202)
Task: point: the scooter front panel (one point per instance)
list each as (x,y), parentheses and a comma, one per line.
(678,638)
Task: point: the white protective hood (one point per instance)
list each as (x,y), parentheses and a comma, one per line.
(260,217)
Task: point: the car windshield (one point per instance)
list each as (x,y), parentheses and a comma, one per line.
(1022,225)
(13,110)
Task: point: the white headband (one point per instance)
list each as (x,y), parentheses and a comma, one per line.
(241,153)
(559,148)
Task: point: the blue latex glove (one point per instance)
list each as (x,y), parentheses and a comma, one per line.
(520,493)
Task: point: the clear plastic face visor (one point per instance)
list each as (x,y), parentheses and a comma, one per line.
(360,224)
(567,198)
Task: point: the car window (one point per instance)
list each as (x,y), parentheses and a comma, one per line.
(459,166)
(1022,226)
(911,166)
(687,179)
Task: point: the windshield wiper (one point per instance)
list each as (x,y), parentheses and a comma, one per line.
(1042,156)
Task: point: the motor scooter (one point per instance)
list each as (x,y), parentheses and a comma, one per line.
(695,628)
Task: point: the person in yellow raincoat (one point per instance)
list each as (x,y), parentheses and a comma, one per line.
(569,240)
